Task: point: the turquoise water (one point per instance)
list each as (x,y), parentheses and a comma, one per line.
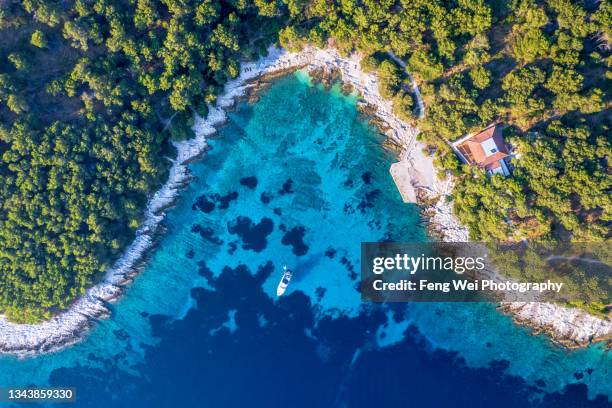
(296,178)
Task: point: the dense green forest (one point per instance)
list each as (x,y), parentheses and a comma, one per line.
(93,91)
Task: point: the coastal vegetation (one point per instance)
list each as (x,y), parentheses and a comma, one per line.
(93,92)
(541,68)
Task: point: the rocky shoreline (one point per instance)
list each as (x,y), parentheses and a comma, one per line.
(568,327)
(565,326)
(71,326)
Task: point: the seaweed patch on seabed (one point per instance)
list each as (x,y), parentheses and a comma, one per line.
(320,292)
(203,204)
(207,204)
(348,208)
(330,252)
(250,182)
(207,233)
(287,187)
(367,177)
(295,238)
(349,267)
(266,197)
(264,271)
(368,201)
(204,270)
(375,224)
(253,236)
(232,247)
(224,201)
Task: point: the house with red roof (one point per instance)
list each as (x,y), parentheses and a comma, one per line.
(486,149)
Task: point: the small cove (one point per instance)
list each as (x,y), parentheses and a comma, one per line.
(297,178)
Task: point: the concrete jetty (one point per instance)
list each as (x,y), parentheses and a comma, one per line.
(400,171)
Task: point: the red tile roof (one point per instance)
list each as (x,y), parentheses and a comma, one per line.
(472,150)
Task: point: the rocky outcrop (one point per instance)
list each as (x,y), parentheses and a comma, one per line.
(569,327)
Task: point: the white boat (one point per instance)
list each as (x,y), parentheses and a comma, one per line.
(284,282)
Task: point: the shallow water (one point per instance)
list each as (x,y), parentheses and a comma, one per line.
(300,179)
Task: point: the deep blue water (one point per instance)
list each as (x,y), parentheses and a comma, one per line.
(299,178)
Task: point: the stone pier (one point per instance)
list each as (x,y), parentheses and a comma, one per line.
(400,172)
